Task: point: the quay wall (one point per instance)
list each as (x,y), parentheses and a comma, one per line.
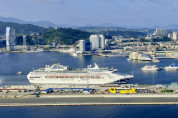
(113,96)
(86,104)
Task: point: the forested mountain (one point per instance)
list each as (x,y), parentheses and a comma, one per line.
(19,28)
(64,36)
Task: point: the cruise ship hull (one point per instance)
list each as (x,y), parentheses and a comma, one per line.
(72,81)
(75,78)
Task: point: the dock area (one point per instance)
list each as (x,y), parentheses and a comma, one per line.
(167,57)
(78,101)
(68,95)
(114,55)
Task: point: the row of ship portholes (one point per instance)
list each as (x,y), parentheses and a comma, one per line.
(92,77)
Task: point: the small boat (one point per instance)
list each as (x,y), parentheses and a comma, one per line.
(172,67)
(19,73)
(129,59)
(155,60)
(150,68)
(74,54)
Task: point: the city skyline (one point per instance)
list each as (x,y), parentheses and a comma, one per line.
(141,13)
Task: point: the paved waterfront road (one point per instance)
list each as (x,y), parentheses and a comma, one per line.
(86,100)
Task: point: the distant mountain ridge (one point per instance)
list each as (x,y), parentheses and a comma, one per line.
(172,26)
(21,28)
(107,25)
(10,19)
(16,20)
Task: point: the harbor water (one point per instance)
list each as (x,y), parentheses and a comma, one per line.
(148,111)
(11,63)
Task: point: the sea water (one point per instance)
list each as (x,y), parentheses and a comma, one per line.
(11,63)
(111,111)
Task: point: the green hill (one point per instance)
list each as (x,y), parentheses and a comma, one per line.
(19,28)
(65,36)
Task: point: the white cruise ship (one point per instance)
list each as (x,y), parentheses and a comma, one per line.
(171,67)
(150,68)
(58,74)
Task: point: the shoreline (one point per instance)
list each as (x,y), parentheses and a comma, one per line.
(85,104)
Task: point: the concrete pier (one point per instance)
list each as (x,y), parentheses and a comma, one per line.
(85,104)
(78,101)
(17,96)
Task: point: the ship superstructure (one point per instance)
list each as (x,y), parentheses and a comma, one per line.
(59,74)
(171,67)
(150,68)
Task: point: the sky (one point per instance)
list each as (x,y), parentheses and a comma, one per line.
(94,12)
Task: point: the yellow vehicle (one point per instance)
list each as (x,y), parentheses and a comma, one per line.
(128,91)
(112,90)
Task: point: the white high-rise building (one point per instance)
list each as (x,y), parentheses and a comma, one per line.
(97,41)
(169,36)
(82,45)
(10,38)
(94,39)
(160,32)
(85,45)
(175,36)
